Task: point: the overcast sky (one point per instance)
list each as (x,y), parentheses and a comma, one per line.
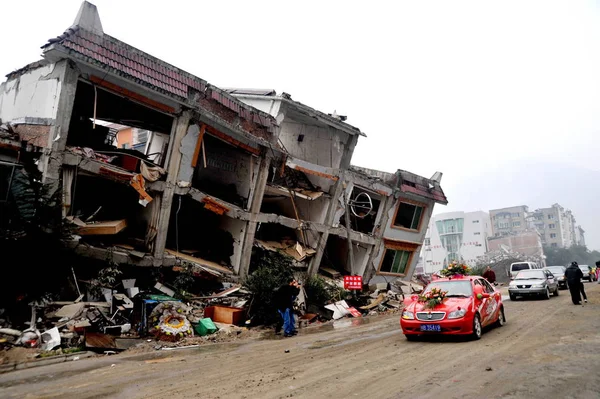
(469,88)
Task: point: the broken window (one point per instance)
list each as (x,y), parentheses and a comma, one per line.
(395,262)
(408,215)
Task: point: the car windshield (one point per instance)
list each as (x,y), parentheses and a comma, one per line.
(556,269)
(520,266)
(454,288)
(584,268)
(531,274)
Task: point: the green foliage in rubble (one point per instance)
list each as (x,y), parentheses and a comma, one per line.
(319,292)
(184,280)
(271,270)
(107,277)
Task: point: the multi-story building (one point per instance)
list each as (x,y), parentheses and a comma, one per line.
(558,227)
(221,173)
(580,236)
(460,236)
(512,220)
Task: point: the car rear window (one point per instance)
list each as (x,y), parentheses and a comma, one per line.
(520,266)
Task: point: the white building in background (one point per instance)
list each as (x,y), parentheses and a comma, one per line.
(460,236)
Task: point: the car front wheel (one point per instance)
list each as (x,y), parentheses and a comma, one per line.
(556,291)
(512,297)
(476,328)
(547,294)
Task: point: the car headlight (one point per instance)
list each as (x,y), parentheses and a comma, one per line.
(408,315)
(562,278)
(537,286)
(457,313)
(512,284)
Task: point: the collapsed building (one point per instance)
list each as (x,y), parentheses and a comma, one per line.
(217,174)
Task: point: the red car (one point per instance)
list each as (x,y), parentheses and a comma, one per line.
(470,304)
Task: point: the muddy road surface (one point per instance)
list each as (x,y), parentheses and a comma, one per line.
(547,349)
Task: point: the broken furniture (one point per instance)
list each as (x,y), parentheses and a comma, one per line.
(225,314)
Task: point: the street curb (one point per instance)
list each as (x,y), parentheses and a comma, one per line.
(6,368)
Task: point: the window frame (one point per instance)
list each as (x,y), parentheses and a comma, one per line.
(410,202)
(397,246)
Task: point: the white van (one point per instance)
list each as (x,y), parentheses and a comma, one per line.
(518,266)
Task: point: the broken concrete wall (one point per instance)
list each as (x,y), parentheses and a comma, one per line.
(31,95)
(321,145)
(237,229)
(29,101)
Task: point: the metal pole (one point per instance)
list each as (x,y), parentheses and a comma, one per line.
(350,249)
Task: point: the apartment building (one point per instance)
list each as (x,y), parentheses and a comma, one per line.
(460,236)
(512,220)
(558,227)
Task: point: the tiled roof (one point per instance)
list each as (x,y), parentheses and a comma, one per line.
(109,53)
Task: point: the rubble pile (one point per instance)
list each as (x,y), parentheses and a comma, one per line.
(500,261)
(126,316)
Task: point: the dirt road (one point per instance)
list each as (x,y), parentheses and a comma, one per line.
(548,349)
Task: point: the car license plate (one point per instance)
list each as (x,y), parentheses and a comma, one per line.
(431,327)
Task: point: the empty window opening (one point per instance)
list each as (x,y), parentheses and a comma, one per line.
(363,206)
(111,212)
(121,132)
(293,195)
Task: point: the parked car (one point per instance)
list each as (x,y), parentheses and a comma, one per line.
(518,266)
(471,303)
(538,283)
(587,273)
(559,275)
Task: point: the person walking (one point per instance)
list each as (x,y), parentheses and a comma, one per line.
(573,275)
(598,272)
(284,302)
(490,275)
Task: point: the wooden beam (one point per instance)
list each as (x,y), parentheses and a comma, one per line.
(232,141)
(198,145)
(102,228)
(133,95)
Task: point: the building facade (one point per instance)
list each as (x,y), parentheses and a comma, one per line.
(512,220)
(558,227)
(204,175)
(460,236)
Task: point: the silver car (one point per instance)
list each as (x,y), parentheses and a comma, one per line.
(539,283)
(559,275)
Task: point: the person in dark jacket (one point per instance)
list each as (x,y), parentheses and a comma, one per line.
(573,275)
(284,302)
(489,275)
